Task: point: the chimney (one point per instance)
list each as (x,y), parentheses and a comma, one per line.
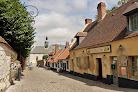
(101,9)
(88,21)
(56,48)
(67,44)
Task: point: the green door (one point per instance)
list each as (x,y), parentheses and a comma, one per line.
(115,73)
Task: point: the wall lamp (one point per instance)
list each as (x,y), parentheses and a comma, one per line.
(104,56)
(83,52)
(120,47)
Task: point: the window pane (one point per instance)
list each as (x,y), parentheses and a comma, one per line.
(78,61)
(85,63)
(134,22)
(134,66)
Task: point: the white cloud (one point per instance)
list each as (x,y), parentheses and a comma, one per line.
(57,27)
(60,20)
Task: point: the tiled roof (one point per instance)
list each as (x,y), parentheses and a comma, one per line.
(111,28)
(90,26)
(57,53)
(39,50)
(42,50)
(5,42)
(54,56)
(131,8)
(132,34)
(73,45)
(65,54)
(82,34)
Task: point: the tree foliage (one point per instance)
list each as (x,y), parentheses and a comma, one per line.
(45,57)
(15,26)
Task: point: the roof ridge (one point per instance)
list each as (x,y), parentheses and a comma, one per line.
(63,52)
(58,54)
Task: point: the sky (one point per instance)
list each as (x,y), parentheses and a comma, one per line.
(60,20)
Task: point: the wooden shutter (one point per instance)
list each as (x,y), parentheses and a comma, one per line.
(78,62)
(85,62)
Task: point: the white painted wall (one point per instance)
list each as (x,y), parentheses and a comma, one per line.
(65,61)
(32,57)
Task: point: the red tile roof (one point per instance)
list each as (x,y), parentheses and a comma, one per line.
(54,56)
(65,54)
(50,60)
(113,27)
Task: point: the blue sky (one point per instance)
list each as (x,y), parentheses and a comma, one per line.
(60,20)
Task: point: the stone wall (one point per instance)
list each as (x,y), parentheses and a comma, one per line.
(5,57)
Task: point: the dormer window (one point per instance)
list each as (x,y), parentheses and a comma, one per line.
(133,22)
(132,17)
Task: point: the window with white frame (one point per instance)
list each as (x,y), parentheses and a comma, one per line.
(133,24)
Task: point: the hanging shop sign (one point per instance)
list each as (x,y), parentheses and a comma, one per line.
(102,49)
(123,61)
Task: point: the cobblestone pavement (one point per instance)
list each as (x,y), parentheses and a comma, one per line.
(42,80)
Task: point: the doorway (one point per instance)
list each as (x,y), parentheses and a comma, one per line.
(72,65)
(64,66)
(99,68)
(115,73)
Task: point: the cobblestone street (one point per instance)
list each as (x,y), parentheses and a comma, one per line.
(42,80)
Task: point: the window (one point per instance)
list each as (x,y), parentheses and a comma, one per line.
(61,63)
(134,60)
(133,22)
(67,64)
(56,64)
(85,62)
(78,61)
(48,64)
(52,64)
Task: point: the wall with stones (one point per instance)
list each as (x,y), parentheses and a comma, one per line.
(5,57)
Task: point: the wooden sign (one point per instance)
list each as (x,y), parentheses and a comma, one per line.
(99,50)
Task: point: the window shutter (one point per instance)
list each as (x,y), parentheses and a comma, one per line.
(85,63)
(78,62)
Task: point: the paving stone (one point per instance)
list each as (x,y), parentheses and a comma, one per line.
(42,80)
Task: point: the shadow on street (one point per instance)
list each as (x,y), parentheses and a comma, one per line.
(96,83)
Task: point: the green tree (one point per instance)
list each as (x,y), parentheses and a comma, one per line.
(108,11)
(15,26)
(45,57)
